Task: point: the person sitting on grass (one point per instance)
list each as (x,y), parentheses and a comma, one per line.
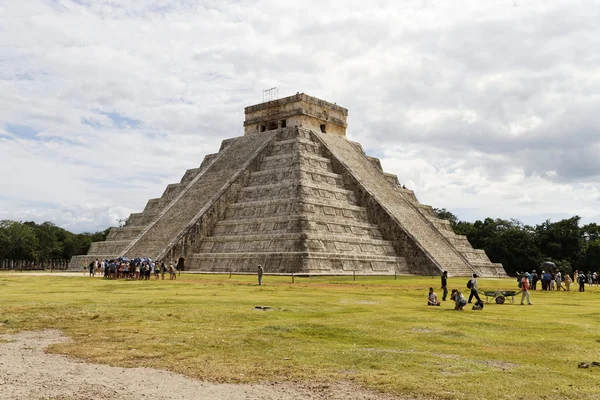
(432,298)
(458,299)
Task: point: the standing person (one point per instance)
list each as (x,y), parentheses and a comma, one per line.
(559,279)
(547,280)
(445,285)
(171,271)
(525,290)
(163,269)
(260,274)
(552,281)
(180,265)
(567,283)
(534,279)
(459,300)
(92,268)
(581,281)
(474,288)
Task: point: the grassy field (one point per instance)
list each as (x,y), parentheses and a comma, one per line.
(375,331)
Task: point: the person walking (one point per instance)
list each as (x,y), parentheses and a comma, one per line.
(445,285)
(525,290)
(474,287)
(260,274)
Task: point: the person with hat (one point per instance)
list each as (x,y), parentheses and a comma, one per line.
(525,289)
(534,279)
(474,288)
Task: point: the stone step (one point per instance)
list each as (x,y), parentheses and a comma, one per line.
(124,233)
(294,133)
(175,220)
(433,244)
(295,145)
(286,160)
(291,242)
(189,175)
(295,172)
(297,223)
(290,189)
(259,209)
(294,262)
(142,219)
(155,205)
(108,247)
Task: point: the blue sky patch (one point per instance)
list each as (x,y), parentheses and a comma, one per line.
(121,121)
(22,131)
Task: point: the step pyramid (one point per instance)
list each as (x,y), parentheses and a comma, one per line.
(294,195)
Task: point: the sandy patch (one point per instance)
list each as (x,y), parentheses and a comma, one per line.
(27,372)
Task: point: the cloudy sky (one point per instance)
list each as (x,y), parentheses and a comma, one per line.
(486,108)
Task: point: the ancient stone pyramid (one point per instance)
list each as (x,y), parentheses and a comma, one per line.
(294,195)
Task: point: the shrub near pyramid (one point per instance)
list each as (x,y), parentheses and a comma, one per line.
(294,195)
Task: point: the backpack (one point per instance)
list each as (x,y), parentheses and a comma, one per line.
(469,284)
(520,284)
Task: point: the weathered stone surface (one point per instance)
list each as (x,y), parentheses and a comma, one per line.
(295,200)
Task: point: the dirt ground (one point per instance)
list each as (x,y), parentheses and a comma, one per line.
(28,372)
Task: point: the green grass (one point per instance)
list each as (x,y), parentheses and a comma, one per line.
(375,331)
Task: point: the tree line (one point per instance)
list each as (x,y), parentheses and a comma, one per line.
(521,247)
(517,246)
(39,242)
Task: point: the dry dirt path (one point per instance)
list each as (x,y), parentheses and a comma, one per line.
(27,372)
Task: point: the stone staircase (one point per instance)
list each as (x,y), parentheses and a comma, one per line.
(173,221)
(295,215)
(401,207)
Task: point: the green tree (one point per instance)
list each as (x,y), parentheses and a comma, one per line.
(442,213)
(505,241)
(560,240)
(590,256)
(48,245)
(22,243)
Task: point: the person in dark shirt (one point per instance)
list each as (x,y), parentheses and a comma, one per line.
(534,280)
(474,288)
(547,278)
(445,285)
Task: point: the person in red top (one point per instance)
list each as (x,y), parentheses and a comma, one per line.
(525,290)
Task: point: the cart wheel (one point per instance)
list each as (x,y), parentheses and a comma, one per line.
(500,300)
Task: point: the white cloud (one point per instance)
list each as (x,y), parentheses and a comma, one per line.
(484,108)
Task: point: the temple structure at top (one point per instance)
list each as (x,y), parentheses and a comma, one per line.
(294,195)
(300,110)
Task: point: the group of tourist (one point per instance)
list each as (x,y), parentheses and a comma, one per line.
(459,299)
(551,280)
(137,269)
(554,280)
